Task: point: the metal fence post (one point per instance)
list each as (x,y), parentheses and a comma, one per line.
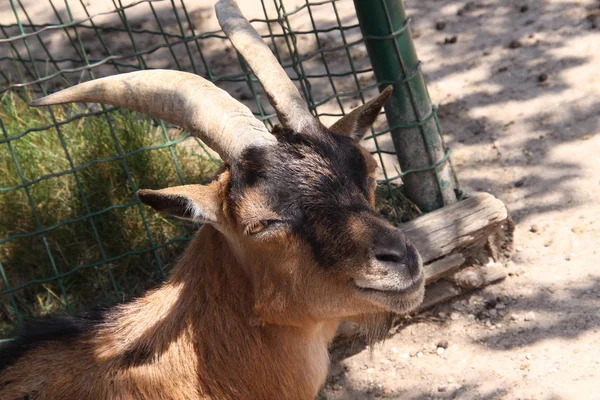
(415,131)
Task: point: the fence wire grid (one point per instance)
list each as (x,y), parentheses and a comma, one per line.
(60,257)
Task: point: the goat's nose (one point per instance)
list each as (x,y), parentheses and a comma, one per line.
(393,253)
(390,247)
(389,255)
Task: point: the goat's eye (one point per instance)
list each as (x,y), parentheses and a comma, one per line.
(256,227)
(260,226)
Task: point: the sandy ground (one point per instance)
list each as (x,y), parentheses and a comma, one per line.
(519,93)
(523,124)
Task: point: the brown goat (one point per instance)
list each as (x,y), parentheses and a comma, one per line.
(290,246)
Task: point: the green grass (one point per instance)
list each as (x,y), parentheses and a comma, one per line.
(98,186)
(64,198)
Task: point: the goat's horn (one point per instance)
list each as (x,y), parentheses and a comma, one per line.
(282,93)
(181,98)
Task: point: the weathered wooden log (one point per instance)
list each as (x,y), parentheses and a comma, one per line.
(455,227)
(475,277)
(437,269)
(437,293)
(464,281)
(440,237)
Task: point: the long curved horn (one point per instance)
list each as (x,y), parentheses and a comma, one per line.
(181,98)
(282,93)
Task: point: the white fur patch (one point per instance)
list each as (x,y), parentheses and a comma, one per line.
(197,214)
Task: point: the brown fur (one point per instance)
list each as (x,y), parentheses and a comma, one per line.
(216,329)
(194,337)
(242,315)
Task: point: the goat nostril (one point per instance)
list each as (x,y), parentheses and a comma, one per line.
(388,257)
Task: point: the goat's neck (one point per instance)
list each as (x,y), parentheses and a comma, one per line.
(204,312)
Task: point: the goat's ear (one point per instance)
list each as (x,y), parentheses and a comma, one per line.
(196,203)
(361,118)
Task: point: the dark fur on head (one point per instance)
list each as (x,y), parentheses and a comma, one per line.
(314,183)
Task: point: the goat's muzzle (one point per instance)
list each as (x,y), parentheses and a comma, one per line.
(394,276)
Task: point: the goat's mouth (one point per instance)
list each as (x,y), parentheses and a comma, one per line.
(405,290)
(400,300)
(399,290)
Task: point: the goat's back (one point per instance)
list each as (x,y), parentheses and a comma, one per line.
(57,359)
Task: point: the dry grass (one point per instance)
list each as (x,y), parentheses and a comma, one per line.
(394,205)
(64,198)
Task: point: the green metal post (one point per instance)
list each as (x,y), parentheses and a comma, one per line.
(415,131)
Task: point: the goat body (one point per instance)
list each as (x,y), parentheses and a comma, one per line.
(291,245)
(195,337)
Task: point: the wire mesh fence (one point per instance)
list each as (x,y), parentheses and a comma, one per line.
(73,234)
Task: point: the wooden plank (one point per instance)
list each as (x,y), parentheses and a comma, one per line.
(454,227)
(437,293)
(444,290)
(441,267)
(478,277)
(494,274)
